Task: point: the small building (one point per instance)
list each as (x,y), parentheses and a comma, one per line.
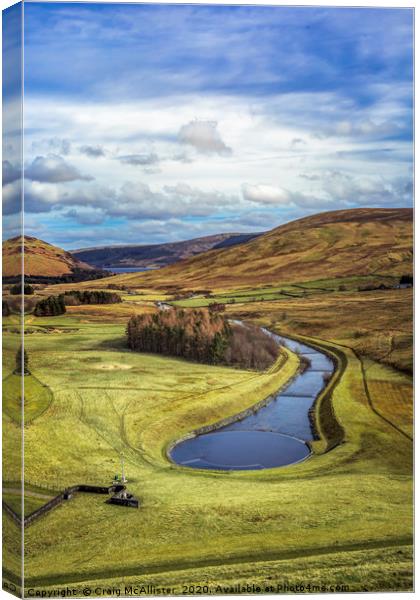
(120,495)
(163,306)
(124,498)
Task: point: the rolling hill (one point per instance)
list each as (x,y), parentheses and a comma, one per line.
(157,255)
(365,241)
(41,259)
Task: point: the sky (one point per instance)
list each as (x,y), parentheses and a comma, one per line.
(151,123)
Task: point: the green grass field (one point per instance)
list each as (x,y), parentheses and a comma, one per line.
(340,518)
(284,292)
(32,502)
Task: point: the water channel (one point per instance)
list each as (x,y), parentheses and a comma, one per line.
(275,435)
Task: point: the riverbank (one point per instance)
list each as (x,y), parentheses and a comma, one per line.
(225,405)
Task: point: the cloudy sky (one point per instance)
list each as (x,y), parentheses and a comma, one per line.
(150,123)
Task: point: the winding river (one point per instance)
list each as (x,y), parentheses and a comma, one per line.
(276,435)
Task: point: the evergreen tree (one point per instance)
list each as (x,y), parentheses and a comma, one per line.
(202,336)
(197,334)
(49,307)
(16,289)
(92,297)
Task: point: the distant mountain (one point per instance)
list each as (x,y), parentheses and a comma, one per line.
(363,241)
(157,255)
(41,259)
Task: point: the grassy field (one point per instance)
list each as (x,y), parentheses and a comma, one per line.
(13,497)
(341,518)
(334,572)
(377,324)
(284,292)
(394,401)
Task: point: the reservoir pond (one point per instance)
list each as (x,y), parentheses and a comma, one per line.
(275,435)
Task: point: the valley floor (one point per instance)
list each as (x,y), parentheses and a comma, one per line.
(342,518)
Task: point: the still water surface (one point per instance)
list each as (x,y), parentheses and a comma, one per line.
(273,436)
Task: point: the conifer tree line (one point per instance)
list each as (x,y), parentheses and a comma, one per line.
(195,334)
(18,289)
(202,336)
(50,307)
(56,305)
(75,297)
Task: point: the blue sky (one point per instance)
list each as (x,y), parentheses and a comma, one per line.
(148,123)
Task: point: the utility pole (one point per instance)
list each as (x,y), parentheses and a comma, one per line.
(123,479)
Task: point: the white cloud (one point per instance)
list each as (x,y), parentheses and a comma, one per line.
(297,144)
(53,169)
(266,194)
(54,145)
(367,128)
(139,200)
(271,173)
(92,151)
(60,146)
(367,190)
(10,172)
(40,197)
(85,216)
(204,137)
(139,160)
(11,197)
(132,200)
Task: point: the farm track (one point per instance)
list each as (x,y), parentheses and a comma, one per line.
(7,490)
(169,567)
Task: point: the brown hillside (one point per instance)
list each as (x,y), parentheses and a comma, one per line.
(334,244)
(41,259)
(157,255)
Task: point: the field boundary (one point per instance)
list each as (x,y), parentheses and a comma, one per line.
(370,401)
(371,405)
(57,500)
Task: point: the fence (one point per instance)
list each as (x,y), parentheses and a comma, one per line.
(65,495)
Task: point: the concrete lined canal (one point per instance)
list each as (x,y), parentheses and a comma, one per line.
(275,435)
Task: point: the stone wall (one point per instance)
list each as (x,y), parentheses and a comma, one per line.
(63,496)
